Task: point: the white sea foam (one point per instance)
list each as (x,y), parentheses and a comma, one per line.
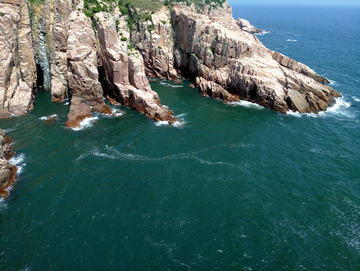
(18,160)
(8,130)
(117,112)
(162,122)
(333,83)
(174,124)
(356,99)
(262,33)
(67,103)
(291,40)
(246,104)
(180,115)
(87,122)
(169,84)
(338,109)
(178,123)
(48,117)
(299,115)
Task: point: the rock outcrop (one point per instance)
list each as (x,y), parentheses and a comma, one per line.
(83,75)
(226,62)
(17,66)
(246,26)
(124,71)
(155,41)
(7,170)
(110,55)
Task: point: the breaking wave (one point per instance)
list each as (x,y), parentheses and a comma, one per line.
(87,122)
(246,104)
(262,33)
(338,109)
(48,117)
(18,160)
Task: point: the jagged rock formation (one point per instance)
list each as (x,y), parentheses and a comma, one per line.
(83,72)
(87,59)
(50,32)
(155,39)
(17,66)
(124,70)
(246,26)
(236,63)
(7,170)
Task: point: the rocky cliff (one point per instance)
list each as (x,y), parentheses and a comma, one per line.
(230,63)
(7,170)
(87,50)
(17,65)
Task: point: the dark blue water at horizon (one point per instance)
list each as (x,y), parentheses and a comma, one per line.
(234,188)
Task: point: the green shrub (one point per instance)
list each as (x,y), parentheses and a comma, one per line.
(164,22)
(124,39)
(151,28)
(2,14)
(117,25)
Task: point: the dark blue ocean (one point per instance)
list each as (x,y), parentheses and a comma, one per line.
(233,188)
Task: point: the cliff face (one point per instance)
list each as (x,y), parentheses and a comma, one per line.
(229,63)
(17,66)
(84,59)
(123,68)
(7,170)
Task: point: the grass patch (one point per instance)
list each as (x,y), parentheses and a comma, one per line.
(37,2)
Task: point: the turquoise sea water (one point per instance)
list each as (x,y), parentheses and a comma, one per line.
(234,188)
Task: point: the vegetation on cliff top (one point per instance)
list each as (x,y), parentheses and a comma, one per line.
(91,7)
(37,2)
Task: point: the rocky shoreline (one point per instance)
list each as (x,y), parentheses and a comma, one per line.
(7,170)
(85,52)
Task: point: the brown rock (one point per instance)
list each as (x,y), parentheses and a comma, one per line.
(7,170)
(79,110)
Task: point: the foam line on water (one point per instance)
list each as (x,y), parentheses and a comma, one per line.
(291,40)
(262,33)
(356,99)
(115,155)
(48,117)
(333,83)
(246,104)
(169,84)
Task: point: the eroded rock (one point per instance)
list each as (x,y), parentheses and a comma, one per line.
(7,170)
(226,60)
(17,65)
